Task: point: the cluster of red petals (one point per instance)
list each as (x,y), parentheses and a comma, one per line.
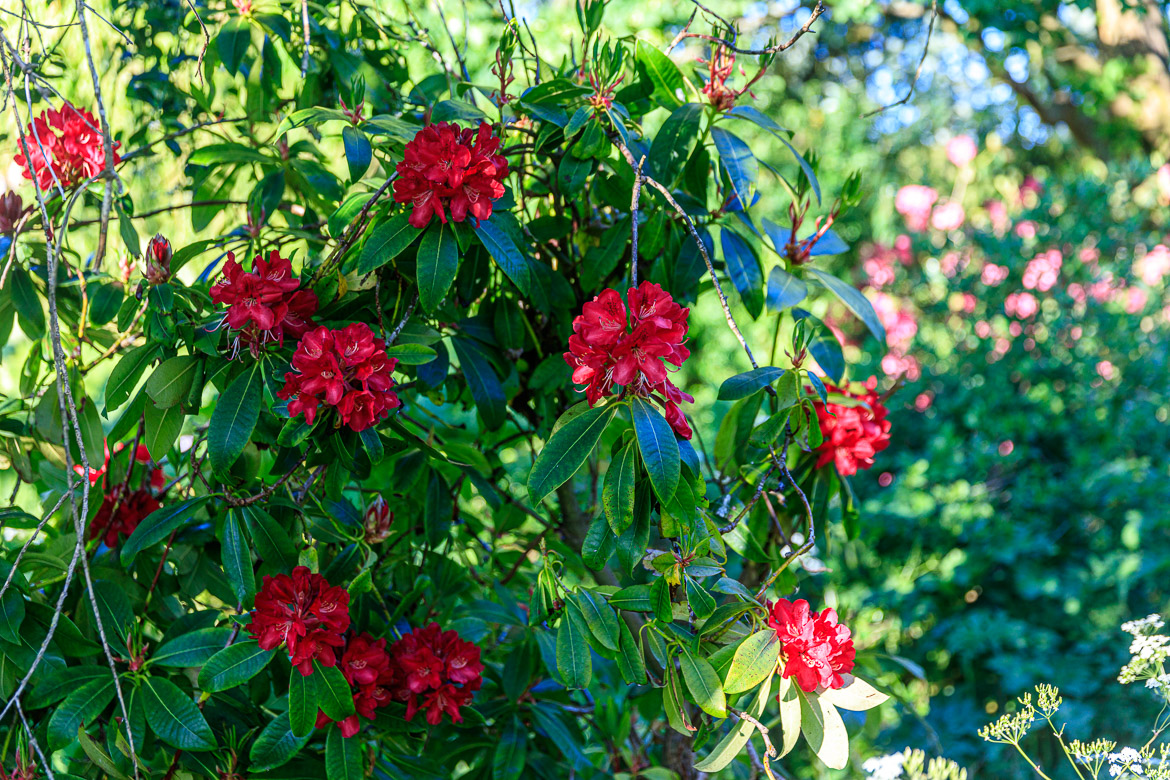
(371,675)
(445,167)
(66,145)
(611,346)
(817,649)
(855,433)
(304,613)
(436,671)
(346,368)
(264,305)
(120,513)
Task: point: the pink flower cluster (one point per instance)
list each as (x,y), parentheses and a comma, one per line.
(879,261)
(346,368)
(816,649)
(604,350)
(1154,265)
(65,144)
(1021,305)
(961,150)
(853,433)
(914,202)
(1043,270)
(264,305)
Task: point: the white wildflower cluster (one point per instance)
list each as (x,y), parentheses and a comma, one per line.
(1126,762)
(912,765)
(1149,651)
(885,767)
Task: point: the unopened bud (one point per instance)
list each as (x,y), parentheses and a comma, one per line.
(158,260)
(10,209)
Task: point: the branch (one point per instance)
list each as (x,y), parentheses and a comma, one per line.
(918,71)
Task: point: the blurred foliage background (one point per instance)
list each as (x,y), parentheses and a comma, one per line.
(1020,514)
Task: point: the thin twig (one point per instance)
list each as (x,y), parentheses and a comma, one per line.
(634,197)
(918,70)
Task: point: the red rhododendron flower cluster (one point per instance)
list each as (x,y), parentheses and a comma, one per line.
(437,671)
(303,612)
(120,513)
(264,305)
(65,144)
(605,351)
(817,649)
(371,675)
(853,433)
(445,167)
(348,369)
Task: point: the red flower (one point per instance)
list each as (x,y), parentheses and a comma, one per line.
(347,369)
(445,167)
(817,649)
(158,260)
(371,675)
(604,351)
(120,513)
(303,612)
(436,671)
(264,305)
(853,433)
(65,146)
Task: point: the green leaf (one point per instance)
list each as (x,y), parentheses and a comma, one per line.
(99,757)
(171,381)
(275,746)
(343,757)
(174,717)
(234,419)
(702,604)
(437,264)
(822,726)
(333,694)
(503,249)
(855,694)
(567,449)
(126,373)
(730,746)
(674,704)
(660,600)
(389,239)
(703,683)
(635,598)
(789,698)
(663,74)
(158,526)
(237,558)
(302,704)
(162,428)
(741,165)
(743,385)
(28,306)
(511,750)
(631,664)
(235,36)
(78,709)
(573,660)
(114,608)
(617,495)
(232,666)
(673,143)
(11,615)
(854,300)
(754,660)
(358,152)
(411,354)
(784,289)
(59,682)
(743,267)
(658,446)
(486,390)
(272,541)
(599,617)
(599,544)
(192,648)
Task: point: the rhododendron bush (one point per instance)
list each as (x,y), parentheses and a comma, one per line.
(383,456)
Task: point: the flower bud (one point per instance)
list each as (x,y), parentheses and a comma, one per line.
(10,208)
(158,260)
(377,521)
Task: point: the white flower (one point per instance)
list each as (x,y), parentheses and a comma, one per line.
(1146,625)
(885,767)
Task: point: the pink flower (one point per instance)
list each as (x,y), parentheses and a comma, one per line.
(900,325)
(1155,264)
(1026,229)
(948,216)
(997,213)
(1135,300)
(961,150)
(816,649)
(1106,370)
(1043,271)
(994,275)
(1021,305)
(914,202)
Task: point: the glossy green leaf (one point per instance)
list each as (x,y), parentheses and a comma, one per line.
(737,159)
(854,300)
(78,709)
(343,757)
(333,694)
(192,648)
(162,428)
(743,385)
(754,659)
(275,746)
(704,685)
(663,74)
(235,36)
(617,494)
(567,449)
(233,666)
(387,241)
(234,419)
(784,289)
(502,247)
(599,617)
(824,730)
(171,381)
(174,718)
(126,373)
(437,264)
(511,750)
(302,703)
(573,660)
(631,664)
(659,448)
(743,268)
(158,525)
(726,750)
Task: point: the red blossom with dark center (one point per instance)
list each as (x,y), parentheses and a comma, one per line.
(264,305)
(853,432)
(816,649)
(445,168)
(347,369)
(371,675)
(612,345)
(438,672)
(303,612)
(64,145)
